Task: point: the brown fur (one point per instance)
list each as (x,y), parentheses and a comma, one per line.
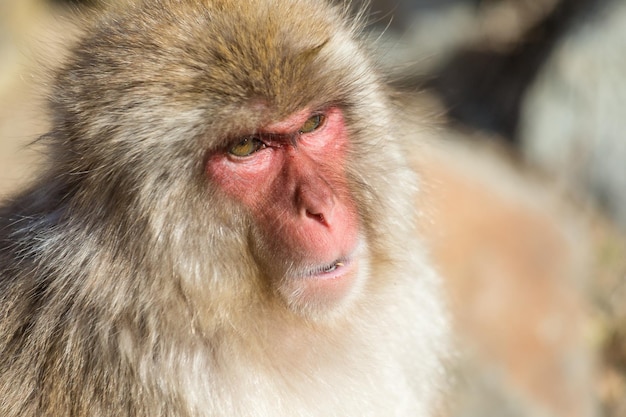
(127,286)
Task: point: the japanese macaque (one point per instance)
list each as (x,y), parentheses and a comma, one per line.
(225,227)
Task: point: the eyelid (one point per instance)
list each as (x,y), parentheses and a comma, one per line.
(320,123)
(240,140)
(276,140)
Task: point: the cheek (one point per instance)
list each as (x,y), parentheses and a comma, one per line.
(243,181)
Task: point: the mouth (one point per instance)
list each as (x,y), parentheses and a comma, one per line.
(332,270)
(323,286)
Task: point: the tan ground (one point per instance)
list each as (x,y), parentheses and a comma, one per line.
(515,261)
(22,34)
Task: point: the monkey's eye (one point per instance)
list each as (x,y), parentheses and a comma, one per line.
(246,147)
(313,123)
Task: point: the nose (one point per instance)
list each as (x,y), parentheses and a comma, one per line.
(315,198)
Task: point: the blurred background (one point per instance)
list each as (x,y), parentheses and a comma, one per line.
(546,76)
(521,105)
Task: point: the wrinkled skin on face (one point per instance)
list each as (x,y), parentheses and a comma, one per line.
(291,177)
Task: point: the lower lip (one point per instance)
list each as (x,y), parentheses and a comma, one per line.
(341,268)
(320,290)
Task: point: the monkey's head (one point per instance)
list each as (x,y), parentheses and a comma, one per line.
(247,147)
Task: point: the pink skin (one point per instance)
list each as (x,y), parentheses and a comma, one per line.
(296,188)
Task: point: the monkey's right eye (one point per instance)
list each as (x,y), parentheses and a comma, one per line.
(246,147)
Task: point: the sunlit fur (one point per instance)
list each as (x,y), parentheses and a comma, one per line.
(129,285)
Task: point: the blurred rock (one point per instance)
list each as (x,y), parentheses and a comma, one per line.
(573,119)
(608,294)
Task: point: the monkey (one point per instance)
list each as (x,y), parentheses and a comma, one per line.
(224,226)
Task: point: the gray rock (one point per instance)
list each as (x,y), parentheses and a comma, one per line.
(574,117)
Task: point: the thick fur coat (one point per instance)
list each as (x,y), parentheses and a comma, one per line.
(129,285)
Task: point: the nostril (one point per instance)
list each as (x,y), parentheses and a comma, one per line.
(318,217)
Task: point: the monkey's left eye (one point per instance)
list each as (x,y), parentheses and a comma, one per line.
(313,123)
(247,146)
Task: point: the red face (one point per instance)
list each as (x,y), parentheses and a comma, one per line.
(290,176)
